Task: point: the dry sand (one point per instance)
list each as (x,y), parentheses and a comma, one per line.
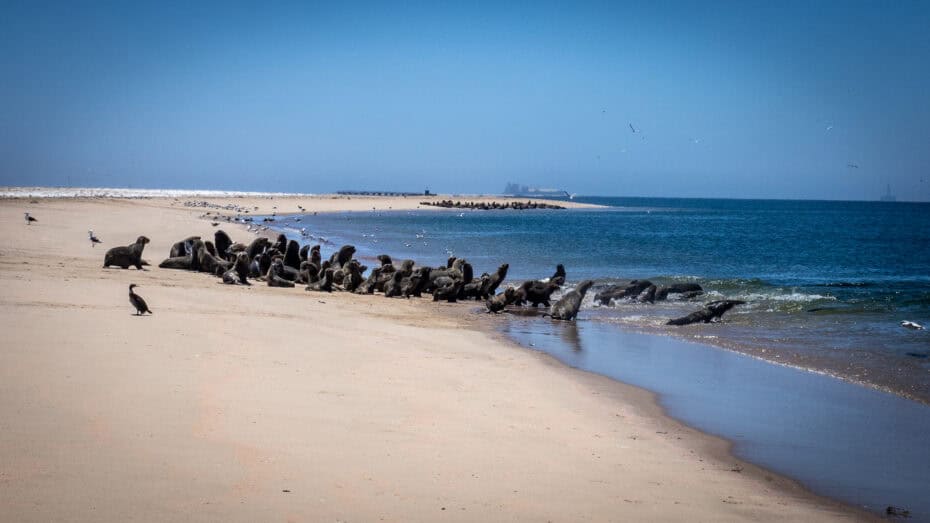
(236,403)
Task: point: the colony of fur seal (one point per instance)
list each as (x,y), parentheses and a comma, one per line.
(125,256)
(285,262)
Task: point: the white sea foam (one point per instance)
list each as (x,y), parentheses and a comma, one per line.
(107,192)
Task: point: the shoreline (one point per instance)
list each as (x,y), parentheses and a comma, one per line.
(173,288)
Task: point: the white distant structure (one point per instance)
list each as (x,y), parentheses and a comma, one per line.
(515,189)
(888,197)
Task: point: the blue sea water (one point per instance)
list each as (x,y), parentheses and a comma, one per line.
(827,284)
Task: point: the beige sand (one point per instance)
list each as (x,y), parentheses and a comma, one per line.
(237,403)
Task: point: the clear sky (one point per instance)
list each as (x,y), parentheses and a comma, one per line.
(744,99)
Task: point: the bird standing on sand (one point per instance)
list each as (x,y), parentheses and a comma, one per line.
(29,219)
(138,302)
(93,239)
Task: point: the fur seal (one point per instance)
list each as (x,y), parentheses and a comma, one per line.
(385,259)
(615,292)
(239,270)
(304,252)
(352,276)
(648,295)
(392,287)
(325,284)
(138,302)
(223,243)
(281,243)
(416,282)
(536,292)
(497,303)
(183,247)
(126,256)
(258,246)
(368,286)
(689,289)
(567,307)
(272,276)
(491,287)
(558,278)
(450,293)
(342,257)
(712,311)
(292,255)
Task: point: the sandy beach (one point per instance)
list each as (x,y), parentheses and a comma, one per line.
(235,403)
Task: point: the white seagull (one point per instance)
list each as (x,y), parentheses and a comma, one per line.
(911,325)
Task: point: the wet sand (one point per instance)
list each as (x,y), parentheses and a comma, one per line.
(254,403)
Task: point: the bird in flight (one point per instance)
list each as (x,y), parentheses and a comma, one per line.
(93,239)
(633,128)
(852,165)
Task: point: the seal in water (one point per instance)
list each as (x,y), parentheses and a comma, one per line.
(138,302)
(615,292)
(712,311)
(497,303)
(536,292)
(491,287)
(567,307)
(126,256)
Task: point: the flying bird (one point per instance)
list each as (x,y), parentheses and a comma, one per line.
(829,127)
(93,239)
(911,325)
(852,165)
(632,128)
(29,219)
(138,302)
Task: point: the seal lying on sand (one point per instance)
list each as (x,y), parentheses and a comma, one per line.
(710,312)
(126,256)
(567,307)
(277,266)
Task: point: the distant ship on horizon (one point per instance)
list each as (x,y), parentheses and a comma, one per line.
(888,197)
(515,189)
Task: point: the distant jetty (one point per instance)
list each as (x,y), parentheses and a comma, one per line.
(488,206)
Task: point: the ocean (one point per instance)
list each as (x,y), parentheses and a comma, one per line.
(826,284)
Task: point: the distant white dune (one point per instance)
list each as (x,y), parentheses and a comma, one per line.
(104,192)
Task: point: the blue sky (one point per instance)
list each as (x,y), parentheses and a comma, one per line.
(742,99)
